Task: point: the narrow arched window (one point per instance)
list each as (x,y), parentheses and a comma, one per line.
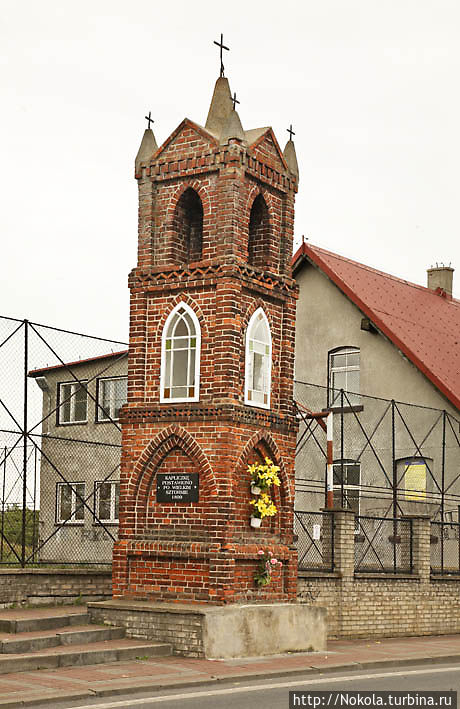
(258,361)
(180,356)
(259,234)
(188,228)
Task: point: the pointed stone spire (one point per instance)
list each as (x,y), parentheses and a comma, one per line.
(291,157)
(232,128)
(147,148)
(221,106)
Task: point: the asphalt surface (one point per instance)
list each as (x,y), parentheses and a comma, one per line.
(273,693)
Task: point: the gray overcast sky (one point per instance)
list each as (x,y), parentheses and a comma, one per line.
(370,86)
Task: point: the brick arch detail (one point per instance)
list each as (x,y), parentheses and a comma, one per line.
(195,185)
(251,309)
(183,298)
(266,438)
(155,452)
(254,192)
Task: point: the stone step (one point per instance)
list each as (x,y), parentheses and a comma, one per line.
(23,621)
(77,655)
(74,635)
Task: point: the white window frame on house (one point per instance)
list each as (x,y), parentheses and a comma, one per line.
(345,369)
(76,505)
(172,344)
(262,349)
(70,399)
(110,382)
(348,463)
(114,496)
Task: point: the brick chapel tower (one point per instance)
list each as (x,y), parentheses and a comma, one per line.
(210,377)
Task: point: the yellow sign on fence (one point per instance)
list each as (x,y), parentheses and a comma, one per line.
(415,480)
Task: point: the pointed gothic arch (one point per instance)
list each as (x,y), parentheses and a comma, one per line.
(259,233)
(168,441)
(180,356)
(258,368)
(188,227)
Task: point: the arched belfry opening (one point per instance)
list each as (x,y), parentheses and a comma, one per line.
(188,227)
(259,233)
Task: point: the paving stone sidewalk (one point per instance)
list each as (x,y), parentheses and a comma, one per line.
(25,688)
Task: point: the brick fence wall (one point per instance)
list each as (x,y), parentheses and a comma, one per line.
(53,586)
(379,605)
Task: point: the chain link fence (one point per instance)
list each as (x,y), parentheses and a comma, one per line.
(445,548)
(315,540)
(390,458)
(60,396)
(383,545)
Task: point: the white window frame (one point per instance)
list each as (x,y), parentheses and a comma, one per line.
(113,495)
(74,386)
(101,382)
(250,364)
(74,502)
(196,397)
(338,486)
(336,403)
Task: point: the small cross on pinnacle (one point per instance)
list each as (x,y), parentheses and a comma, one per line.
(222,46)
(149,119)
(235,101)
(290,131)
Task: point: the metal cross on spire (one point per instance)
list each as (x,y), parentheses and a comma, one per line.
(290,131)
(222,46)
(149,119)
(235,101)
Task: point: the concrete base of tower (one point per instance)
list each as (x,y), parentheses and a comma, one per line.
(219,632)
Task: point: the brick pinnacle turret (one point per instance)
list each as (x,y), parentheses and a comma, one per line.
(147,148)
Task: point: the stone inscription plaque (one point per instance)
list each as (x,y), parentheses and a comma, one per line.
(177,487)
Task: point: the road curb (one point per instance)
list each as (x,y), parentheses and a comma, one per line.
(227,678)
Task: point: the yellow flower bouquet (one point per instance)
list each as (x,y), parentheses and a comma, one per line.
(263,476)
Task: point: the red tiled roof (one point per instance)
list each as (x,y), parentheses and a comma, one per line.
(37,372)
(424,325)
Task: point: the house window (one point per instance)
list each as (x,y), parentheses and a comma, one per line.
(180,358)
(107,496)
(348,471)
(344,374)
(258,361)
(73,402)
(111,395)
(69,505)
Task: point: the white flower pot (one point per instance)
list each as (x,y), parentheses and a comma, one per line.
(256,522)
(255,490)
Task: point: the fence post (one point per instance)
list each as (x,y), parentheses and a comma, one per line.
(24,433)
(421,531)
(443,467)
(344,543)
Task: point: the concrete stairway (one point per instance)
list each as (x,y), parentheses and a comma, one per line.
(47,638)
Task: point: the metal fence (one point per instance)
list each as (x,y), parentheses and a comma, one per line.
(315,540)
(390,458)
(445,548)
(60,393)
(383,545)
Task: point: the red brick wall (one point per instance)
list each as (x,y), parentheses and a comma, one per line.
(207,551)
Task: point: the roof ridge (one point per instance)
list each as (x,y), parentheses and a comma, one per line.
(371,269)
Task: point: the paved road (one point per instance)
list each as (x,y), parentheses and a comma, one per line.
(273,694)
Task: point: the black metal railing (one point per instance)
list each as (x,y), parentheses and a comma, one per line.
(315,540)
(445,548)
(383,545)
